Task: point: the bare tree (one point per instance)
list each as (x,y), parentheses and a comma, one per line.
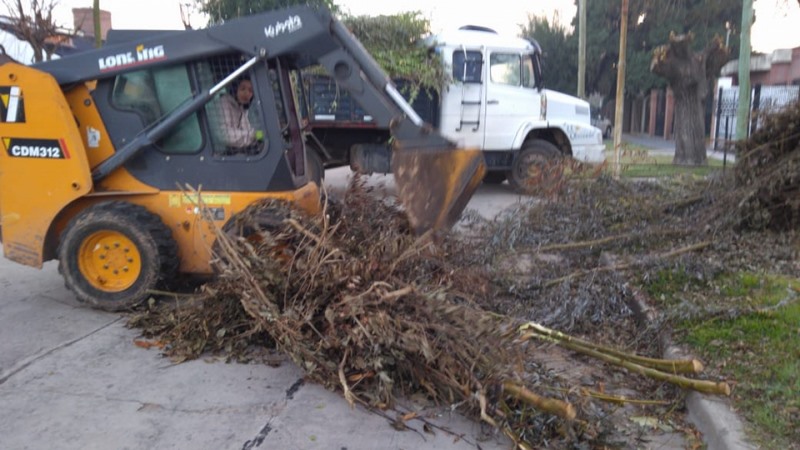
(689,74)
(32,21)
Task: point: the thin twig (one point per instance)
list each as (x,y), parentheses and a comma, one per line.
(398,293)
(627,266)
(302,230)
(602,241)
(348,394)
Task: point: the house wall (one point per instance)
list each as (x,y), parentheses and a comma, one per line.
(780,68)
(83,21)
(794,71)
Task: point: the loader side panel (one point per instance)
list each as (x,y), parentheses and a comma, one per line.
(43,164)
(99,147)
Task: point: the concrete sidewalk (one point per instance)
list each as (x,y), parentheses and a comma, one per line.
(661,146)
(72,378)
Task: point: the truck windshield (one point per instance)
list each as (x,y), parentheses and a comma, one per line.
(467,66)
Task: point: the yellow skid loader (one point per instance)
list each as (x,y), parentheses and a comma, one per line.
(96,147)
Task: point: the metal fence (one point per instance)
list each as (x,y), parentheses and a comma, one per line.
(764,100)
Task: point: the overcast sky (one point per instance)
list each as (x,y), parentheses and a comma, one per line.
(776,25)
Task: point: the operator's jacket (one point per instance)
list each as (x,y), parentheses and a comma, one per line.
(235,129)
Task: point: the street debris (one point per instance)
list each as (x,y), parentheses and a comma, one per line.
(467,320)
(768,173)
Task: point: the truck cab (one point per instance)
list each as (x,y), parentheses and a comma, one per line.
(497,101)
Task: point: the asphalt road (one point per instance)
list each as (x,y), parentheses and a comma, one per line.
(72,378)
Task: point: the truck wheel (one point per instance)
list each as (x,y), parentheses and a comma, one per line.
(315,168)
(607,133)
(494,177)
(113,253)
(538,168)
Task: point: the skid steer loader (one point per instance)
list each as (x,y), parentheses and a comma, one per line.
(97,148)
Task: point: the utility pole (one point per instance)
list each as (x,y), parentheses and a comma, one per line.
(582,49)
(620,106)
(98,39)
(743,107)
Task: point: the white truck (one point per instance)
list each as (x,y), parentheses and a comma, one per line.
(496,102)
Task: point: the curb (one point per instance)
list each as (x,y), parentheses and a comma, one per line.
(712,415)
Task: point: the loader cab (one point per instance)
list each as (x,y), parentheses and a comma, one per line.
(232,144)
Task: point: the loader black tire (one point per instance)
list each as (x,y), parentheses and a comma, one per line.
(113,253)
(538,169)
(259,222)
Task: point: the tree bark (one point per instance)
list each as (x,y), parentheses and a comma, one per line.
(689,75)
(689,128)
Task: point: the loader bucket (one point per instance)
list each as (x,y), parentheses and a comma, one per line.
(435,184)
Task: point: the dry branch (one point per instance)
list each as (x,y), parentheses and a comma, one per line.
(603,241)
(618,399)
(628,266)
(550,405)
(707,387)
(683,203)
(666,365)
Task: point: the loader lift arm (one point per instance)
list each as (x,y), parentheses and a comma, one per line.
(434,179)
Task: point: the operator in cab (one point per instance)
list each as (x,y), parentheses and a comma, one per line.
(236,130)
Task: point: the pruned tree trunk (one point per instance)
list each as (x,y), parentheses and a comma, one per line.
(689,75)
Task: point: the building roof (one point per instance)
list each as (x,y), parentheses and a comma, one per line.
(476,37)
(760,62)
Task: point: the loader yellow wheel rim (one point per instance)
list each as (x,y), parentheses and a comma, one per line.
(109,261)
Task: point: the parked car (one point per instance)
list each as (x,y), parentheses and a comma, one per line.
(599,121)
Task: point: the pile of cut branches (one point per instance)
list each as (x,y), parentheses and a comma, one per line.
(768,173)
(565,263)
(366,308)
